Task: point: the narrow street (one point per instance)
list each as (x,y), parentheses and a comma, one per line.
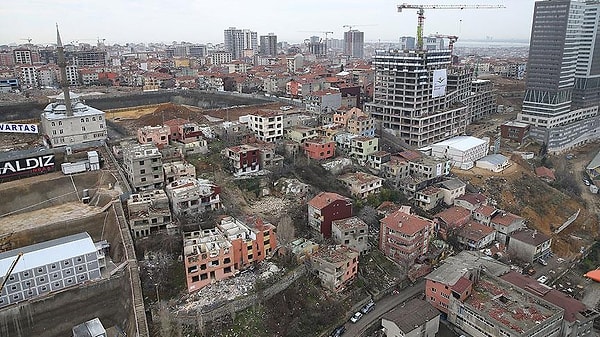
(381,307)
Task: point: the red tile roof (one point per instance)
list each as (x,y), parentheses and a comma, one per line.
(572,306)
(473,198)
(529,236)
(461,285)
(475,231)
(454,215)
(406,223)
(505,218)
(324,199)
(486,210)
(544,172)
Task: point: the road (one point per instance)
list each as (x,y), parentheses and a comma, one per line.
(381,307)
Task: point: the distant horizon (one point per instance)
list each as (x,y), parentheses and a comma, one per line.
(121,21)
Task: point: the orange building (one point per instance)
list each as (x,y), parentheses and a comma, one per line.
(319,148)
(218,253)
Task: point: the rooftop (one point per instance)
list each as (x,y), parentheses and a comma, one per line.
(505,218)
(324,199)
(573,308)
(412,315)
(455,267)
(359,177)
(47,252)
(406,223)
(473,198)
(349,223)
(495,159)
(335,254)
(451,184)
(486,210)
(453,214)
(475,231)
(530,236)
(461,143)
(595,163)
(515,309)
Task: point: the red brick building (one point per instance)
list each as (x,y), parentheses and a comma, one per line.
(319,148)
(326,207)
(243,159)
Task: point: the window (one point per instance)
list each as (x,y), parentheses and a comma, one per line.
(93,119)
(195,278)
(227,270)
(227,260)
(203,276)
(142,171)
(56,284)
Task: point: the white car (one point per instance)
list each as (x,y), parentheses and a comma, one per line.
(542,279)
(356,317)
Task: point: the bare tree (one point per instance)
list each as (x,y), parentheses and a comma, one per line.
(285,230)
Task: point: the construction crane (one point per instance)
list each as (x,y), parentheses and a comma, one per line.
(10,269)
(28,40)
(322,32)
(421,15)
(350,26)
(451,38)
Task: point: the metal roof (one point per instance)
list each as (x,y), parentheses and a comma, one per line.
(594,163)
(461,143)
(43,253)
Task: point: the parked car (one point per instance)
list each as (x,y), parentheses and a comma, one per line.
(542,262)
(368,308)
(542,279)
(337,332)
(356,317)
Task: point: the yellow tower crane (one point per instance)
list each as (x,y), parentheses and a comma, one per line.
(421,15)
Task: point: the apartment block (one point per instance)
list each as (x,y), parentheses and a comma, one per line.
(177,170)
(190,196)
(407,102)
(482,103)
(49,266)
(323,100)
(326,207)
(351,232)
(360,184)
(429,198)
(355,121)
(219,253)
(475,236)
(495,308)
(455,277)
(157,135)
(149,213)
(506,223)
(266,125)
(361,147)
(529,245)
(415,318)
(451,188)
(300,134)
(336,266)
(319,148)
(243,159)
(143,166)
(403,237)
(208,258)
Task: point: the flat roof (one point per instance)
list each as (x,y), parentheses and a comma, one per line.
(412,315)
(47,252)
(461,143)
(454,267)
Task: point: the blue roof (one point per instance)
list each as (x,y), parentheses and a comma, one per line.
(43,253)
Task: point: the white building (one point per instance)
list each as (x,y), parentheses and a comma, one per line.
(464,151)
(493,162)
(143,166)
(49,266)
(61,127)
(267,125)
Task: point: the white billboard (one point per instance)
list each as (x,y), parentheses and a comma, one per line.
(19,128)
(440,79)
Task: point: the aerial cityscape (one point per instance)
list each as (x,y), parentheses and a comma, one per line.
(300,169)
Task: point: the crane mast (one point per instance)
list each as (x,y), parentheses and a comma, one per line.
(10,269)
(421,15)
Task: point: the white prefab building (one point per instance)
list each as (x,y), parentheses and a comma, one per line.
(49,266)
(493,162)
(464,151)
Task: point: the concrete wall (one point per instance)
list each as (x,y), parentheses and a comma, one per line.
(203,99)
(55,314)
(55,189)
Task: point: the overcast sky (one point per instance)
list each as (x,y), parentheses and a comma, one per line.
(203,21)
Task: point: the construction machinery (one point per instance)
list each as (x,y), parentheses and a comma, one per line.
(452,39)
(10,269)
(421,15)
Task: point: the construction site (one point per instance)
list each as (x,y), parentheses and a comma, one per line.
(50,206)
